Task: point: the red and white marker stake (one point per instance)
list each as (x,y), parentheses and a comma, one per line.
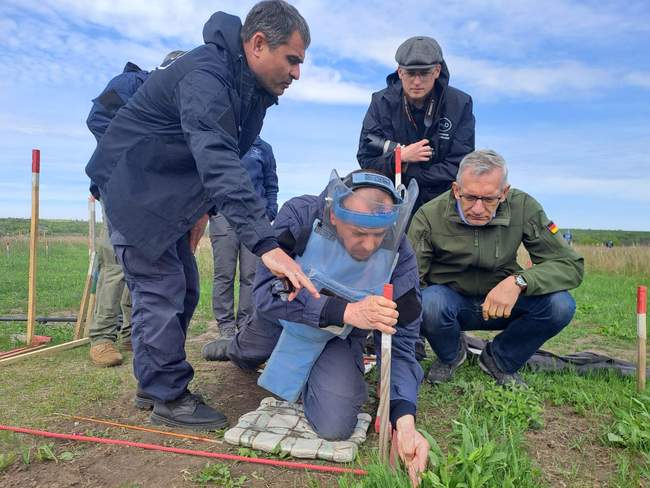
(33,243)
(398,166)
(641,308)
(384,395)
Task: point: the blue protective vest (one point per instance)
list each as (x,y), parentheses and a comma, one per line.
(330,267)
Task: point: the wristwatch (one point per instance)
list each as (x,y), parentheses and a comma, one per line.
(520,281)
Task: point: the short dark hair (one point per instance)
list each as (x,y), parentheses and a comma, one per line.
(277,20)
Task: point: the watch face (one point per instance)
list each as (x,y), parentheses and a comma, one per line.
(520,280)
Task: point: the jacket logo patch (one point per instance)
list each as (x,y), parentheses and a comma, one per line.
(552,227)
(445,125)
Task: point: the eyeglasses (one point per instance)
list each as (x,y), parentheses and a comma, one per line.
(472,199)
(425,75)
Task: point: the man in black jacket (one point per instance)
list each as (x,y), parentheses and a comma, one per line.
(170,156)
(418,110)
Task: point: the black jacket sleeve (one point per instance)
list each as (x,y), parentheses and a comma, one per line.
(209,125)
(373,151)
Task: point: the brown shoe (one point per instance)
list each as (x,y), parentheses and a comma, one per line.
(105,355)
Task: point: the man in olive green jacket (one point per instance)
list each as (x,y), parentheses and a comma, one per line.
(466,243)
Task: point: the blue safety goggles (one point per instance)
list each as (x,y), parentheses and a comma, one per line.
(368,220)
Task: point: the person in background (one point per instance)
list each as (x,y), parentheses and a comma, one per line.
(418,110)
(229,252)
(112,296)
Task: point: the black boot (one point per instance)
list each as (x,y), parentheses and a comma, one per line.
(487,363)
(142,400)
(441,372)
(145,402)
(188,412)
(216,350)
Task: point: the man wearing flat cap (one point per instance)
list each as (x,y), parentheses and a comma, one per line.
(419,110)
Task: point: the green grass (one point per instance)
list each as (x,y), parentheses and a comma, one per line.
(477,431)
(481,433)
(219,474)
(609,302)
(59,279)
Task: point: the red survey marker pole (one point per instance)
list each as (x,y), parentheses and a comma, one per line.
(641,309)
(33,242)
(384,396)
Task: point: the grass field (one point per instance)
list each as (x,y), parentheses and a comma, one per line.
(565,430)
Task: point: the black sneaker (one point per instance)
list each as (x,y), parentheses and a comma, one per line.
(216,350)
(487,363)
(188,412)
(441,372)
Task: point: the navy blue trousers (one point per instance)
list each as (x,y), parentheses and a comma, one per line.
(533,321)
(336,389)
(165,293)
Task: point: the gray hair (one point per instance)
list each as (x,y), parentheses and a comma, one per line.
(483,161)
(277,20)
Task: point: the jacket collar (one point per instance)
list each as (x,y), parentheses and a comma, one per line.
(502,216)
(131,67)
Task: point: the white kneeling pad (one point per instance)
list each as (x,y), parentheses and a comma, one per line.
(281,427)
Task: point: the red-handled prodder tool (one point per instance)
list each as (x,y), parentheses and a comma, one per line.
(383,413)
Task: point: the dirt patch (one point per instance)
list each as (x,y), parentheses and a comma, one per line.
(224,386)
(568,450)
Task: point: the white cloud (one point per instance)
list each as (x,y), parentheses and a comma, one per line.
(36,129)
(326,85)
(490,47)
(554,80)
(638,78)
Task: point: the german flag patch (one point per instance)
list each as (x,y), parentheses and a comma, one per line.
(552,227)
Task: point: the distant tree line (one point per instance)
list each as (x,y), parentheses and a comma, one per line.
(50,227)
(600,237)
(53,227)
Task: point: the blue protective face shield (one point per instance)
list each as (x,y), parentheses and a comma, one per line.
(388,209)
(377,214)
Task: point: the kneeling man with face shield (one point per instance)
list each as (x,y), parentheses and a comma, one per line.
(350,241)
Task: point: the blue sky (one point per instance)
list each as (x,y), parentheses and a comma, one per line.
(561,89)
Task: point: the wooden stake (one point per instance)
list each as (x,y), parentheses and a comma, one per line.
(91,224)
(47,350)
(33,243)
(90,312)
(384,394)
(641,308)
(78,330)
(22,350)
